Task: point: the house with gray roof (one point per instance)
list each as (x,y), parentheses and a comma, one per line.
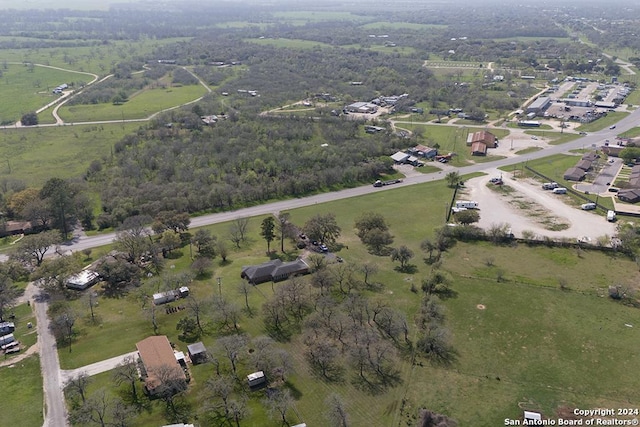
(274,270)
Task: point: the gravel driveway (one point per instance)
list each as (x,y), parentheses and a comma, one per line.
(495,208)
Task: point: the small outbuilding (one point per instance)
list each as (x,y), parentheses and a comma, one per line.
(256,379)
(478,149)
(197,353)
(400,157)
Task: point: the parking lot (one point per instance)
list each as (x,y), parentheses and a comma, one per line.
(527,207)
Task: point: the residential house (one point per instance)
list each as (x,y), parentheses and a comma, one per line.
(612,150)
(585,165)
(630,195)
(574,174)
(274,270)
(161,371)
(83,280)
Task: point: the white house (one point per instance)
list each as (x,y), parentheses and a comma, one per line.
(83,280)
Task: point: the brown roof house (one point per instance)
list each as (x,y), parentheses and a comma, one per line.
(631,195)
(574,174)
(483,136)
(161,372)
(585,165)
(478,149)
(274,270)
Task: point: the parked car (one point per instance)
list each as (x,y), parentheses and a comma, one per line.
(323,247)
(612,127)
(588,206)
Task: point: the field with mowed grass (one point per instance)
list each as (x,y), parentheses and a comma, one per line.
(531,327)
(30,87)
(36,154)
(140,106)
(21,386)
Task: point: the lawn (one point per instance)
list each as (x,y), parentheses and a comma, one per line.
(631,133)
(95,59)
(37,154)
(289,43)
(140,106)
(381,25)
(30,88)
(21,386)
(602,122)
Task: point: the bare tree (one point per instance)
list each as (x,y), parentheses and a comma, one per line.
(278,402)
(244,288)
(77,386)
(127,372)
(242,224)
(324,357)
(368,269)
(91,300)
(219,389)
(335,411)
(121,413)
(232,346)
(97,406)
(64,323)
(197,308)
(226,314)
(8,294)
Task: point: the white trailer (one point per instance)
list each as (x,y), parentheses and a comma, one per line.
(467,204)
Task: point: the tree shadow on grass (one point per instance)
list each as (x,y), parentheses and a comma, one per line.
(377,385)
(407,269)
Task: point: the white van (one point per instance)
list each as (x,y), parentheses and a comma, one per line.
(611,216)
(588,206)
(560,190)
(466,204)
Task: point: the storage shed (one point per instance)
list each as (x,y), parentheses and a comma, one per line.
(256,379)
(197,352)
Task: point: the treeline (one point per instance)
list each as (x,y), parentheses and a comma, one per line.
(235,163)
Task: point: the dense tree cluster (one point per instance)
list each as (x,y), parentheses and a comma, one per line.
(235,164)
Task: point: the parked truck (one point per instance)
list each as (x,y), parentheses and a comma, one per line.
(550,185)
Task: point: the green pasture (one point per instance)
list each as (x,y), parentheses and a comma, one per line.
(242,24)
(97,59)
(317,16)
(603,122)
(34,155)
(289,43)
(140,106)
(382,25)
(21,385)
(30,88)
(631,133)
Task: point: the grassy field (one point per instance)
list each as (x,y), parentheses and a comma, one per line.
(30,88)
(603,122)
(141,105)
(317,16)
(21,381)
(68,150)
(631,133)
(381,25)
(92,59)
(520,350)
(289,43)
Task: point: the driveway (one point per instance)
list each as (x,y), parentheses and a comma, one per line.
(515,208)
(96,368)
(605,178)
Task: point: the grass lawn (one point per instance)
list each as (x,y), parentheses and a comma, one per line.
(289,43)
(381,25)
(603,122)
(95,59)
(21,385)
(34,155)
(30,88)
(528,150)
(631,133)
(554,138)
(140,106)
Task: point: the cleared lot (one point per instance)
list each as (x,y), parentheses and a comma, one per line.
(525,206)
